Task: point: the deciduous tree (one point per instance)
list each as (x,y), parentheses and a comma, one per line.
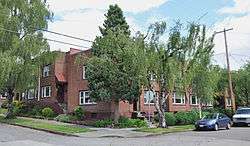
(22,46)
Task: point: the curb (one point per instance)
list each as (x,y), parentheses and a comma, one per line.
(159,134)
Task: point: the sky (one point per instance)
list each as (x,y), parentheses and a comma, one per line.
(82,18)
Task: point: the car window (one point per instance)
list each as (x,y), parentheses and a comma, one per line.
(210,116)
(243,111)
(224,116)
(221,116)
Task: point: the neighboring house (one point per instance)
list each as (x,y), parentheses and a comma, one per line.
(65,82)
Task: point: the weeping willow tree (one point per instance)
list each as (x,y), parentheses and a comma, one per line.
(22,47)
(176,64)
(163,67)
(194,55)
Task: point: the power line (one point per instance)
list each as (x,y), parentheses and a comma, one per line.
(57,41)
(65,43)
(58,33)
(218,54)
(65,35)
(235,60)
(240,55)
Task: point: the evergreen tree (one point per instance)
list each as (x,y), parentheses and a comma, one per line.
(111,72)
(115,21)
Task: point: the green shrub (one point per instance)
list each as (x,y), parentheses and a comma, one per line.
(65,118)
(18,108)
(103,123)
(228,112)
(124,122)
(203,114)
(156,118)
(184,118)
(47,112)
(36,111)
(170,119)
(79,113)
(194,115)
(4,104)
(139,123)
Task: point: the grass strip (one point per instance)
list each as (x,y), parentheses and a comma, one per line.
(3,111)
(45,126)
(171,129)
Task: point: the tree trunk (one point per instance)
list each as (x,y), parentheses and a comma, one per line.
(187,96)
(116,111)
(10,95)
(160,110)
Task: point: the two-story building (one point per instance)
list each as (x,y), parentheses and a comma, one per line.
(65,82)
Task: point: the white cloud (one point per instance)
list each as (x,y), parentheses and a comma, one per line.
(240,7)
(238,39)
(84,25)
(133,6)
(82,18)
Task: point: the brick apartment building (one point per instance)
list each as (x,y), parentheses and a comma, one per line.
(65,82)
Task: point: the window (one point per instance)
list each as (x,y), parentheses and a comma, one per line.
(178,98)
(84,72)
(46,71)
(31,94)
(46,91)
(3,96)
(149,97)
(193,100)
(23,95)
(84,98)
(209,103)
(228,101)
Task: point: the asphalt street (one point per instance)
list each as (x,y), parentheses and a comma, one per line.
(18,136)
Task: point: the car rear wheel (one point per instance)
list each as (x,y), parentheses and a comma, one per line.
(228,126)
(216,127)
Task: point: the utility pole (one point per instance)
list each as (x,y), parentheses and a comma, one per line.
(231,94)
(39,84)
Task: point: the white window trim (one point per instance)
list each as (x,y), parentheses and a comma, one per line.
(84,103)
(210,103)
(191,100)
(152,99)
(229,101)
(83,72)
(44,91)
(29,91)
(182,99)
(46,70)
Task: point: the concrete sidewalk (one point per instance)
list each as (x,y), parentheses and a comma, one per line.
(110,132)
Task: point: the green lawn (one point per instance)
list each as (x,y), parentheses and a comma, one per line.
(171,129)
(59,128)
(3,111)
